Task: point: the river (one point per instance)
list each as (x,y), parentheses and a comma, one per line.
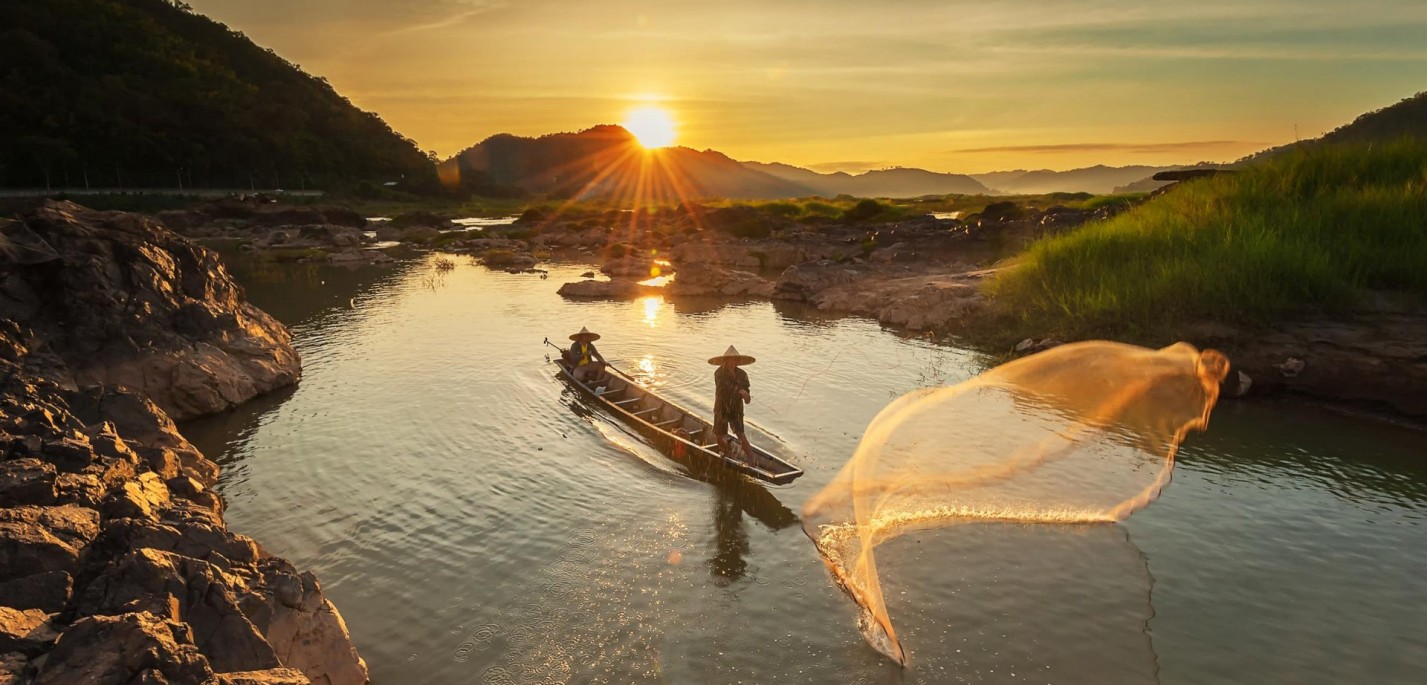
(475,522)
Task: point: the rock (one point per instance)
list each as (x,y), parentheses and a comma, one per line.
(276,676)
(130,303)
(605,290)
(82,489)
(802,282)
(26,481)
(420,234)
(27,549)
(28,632)
(635,267)
(387,232)
(146,498)
(1031,345)
(189,591)
(333,236)
(48,591)
(76,526)
(424,219)
(14,669)
(498,258)
(68,454)
(587,274)
(305,629)
(144,424)
(118,650)
(702,280)
(1290,367)
(20,245)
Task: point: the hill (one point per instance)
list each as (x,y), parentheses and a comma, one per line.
(898,182)
(1097,179)
(1405,119)
(1260,245)
(136,93)
(608,162)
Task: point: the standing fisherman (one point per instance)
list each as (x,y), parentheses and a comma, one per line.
(585,361)
(730,394)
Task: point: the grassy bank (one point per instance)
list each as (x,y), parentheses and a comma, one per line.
(1316,230)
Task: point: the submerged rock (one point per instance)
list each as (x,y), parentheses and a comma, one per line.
(606,290)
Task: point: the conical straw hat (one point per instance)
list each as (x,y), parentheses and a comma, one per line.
(585,333)
(732,353)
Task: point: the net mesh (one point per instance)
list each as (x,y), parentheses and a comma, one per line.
(1081,433)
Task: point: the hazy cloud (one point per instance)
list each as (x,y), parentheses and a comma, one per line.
(853,167)
(1125,148)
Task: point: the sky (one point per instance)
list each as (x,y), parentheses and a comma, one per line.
(852,85)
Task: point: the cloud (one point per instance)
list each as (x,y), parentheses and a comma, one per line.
(1127,148)
(850,166)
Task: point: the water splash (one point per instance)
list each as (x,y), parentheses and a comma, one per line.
(1082,433)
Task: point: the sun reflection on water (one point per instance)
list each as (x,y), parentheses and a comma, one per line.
(652,305)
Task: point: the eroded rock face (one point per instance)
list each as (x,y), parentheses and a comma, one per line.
(126,648)
(137,574)
(111,538)
(125,302)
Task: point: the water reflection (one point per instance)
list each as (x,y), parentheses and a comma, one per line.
(730,540)
(413,469)
(651,309)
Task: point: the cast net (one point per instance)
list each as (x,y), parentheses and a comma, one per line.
(1081,433)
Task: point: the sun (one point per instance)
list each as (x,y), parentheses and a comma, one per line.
(652,126)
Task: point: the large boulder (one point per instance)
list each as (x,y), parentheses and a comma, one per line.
(28,632)
(136,647)
(630,267)
(127,302)
(606,290)
(704,280)
(803,282)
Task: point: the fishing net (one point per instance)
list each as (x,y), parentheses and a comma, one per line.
(1078,434)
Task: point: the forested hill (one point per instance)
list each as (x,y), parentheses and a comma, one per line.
(147,93)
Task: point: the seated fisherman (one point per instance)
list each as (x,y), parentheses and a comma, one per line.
(585,361)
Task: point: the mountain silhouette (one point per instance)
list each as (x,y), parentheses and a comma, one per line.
(608,162)
(898,182)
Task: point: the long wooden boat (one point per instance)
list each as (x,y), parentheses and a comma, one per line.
(674,429)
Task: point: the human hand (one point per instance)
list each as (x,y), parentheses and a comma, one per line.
(746,398)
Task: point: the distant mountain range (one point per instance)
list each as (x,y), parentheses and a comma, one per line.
(608,161)
(898,182)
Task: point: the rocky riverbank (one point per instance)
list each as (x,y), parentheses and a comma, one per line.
(115,562)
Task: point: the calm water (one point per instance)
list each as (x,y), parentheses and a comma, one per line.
(476,523)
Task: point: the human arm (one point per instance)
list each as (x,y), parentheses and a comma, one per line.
(744,387)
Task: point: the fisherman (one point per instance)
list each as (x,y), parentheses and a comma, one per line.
(730,394)
(585,361)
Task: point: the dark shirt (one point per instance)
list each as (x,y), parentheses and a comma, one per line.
(726,386)
(576,353)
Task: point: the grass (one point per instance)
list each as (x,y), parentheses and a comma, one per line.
(1315,231)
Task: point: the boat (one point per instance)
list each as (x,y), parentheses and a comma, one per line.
(673,429)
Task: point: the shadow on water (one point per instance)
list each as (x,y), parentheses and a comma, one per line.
(303,294)
(735,493)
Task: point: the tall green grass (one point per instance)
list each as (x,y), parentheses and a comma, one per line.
(1311,231)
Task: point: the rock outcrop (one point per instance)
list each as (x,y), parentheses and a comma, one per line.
(115,561)
(116,565)
(120,300)
(903,298)
(701,280)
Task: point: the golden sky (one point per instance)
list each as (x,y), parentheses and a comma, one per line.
(945,85)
